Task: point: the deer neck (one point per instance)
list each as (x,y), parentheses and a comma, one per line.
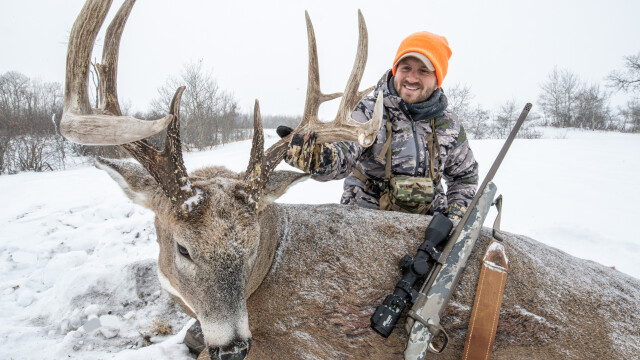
(269,240)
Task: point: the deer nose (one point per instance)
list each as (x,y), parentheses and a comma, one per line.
(237,350)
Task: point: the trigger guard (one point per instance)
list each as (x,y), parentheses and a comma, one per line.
(439,330)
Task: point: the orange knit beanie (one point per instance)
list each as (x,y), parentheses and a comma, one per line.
(434,47)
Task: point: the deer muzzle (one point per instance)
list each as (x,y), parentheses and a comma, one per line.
(237,350)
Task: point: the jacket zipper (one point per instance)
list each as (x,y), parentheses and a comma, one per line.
(415,138)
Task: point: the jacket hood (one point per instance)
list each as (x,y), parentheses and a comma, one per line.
(390,100)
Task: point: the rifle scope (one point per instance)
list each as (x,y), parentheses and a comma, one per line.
(387,315)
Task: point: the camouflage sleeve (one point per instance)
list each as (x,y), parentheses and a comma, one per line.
(461,173)
(346,153)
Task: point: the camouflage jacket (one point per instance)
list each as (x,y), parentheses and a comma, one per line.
(410,157)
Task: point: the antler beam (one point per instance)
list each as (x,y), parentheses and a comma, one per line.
(106,125)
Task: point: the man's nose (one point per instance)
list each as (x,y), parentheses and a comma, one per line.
(412,76)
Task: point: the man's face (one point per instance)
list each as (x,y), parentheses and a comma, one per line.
(413,81)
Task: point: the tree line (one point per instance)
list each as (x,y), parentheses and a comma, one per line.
(209,115)
(565,101)
(30,141)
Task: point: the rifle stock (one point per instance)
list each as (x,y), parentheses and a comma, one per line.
(424,316)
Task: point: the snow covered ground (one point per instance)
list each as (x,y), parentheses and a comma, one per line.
(77,258)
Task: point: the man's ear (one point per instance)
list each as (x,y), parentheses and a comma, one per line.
(279,182)
(133,179)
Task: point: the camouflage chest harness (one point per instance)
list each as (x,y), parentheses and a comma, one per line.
(405,193)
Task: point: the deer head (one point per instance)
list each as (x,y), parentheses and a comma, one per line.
(212,256)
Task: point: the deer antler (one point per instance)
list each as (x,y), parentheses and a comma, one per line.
(106,125)
(342,128)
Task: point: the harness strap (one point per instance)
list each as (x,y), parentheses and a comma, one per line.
(433,144)
(488,301)
(386,149)
(385,201)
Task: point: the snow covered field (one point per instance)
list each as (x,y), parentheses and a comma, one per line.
(77,257)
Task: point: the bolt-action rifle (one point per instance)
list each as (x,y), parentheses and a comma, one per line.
(446,266)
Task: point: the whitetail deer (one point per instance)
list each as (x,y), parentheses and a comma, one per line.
(300,282)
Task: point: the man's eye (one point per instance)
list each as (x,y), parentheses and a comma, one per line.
(183,251)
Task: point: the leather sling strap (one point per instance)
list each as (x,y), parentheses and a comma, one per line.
(486,307)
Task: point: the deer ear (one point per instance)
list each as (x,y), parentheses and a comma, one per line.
(133,179)
(279,183)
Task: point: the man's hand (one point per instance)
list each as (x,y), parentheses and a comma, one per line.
(456,212)
(308,156)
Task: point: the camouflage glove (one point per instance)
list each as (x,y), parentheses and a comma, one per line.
(308,156)
(456,212)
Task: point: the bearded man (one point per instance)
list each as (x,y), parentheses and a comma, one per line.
(421,142)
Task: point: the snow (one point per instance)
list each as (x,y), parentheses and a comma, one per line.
(77,258)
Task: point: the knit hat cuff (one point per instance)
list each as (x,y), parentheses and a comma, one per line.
(422,57)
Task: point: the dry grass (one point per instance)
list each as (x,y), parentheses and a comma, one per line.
(160,327)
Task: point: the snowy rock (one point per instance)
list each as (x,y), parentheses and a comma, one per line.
(130,315)
(92,324)
(110,326)
(91,310)
(109,332)
(26,297)
(64,326)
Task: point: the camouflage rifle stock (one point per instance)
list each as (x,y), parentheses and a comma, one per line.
(424,316)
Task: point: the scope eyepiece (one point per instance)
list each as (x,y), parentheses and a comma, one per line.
(387,315)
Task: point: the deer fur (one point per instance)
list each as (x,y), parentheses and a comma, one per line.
(301,282)
(320,272)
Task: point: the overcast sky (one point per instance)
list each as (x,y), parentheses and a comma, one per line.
(503,49)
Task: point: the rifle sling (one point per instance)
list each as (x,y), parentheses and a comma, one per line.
(488,301)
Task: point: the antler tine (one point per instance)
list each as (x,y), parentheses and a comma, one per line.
(315,97)
(254,169)
(79,122)
(167,167)
(351,96)
(83,35)
(108,91)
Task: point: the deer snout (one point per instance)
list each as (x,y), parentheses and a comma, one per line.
(237,350)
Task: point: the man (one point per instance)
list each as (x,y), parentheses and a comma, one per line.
(415,109)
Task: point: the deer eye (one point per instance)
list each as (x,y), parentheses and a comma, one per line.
(183,251)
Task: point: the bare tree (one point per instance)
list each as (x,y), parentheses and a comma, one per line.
(631,116)
(627,80)
(592,110)
(460,96)
(208,113)
(559,97)
(476,119)
(506,118)
(273,121)
(477,123)
(26,107)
